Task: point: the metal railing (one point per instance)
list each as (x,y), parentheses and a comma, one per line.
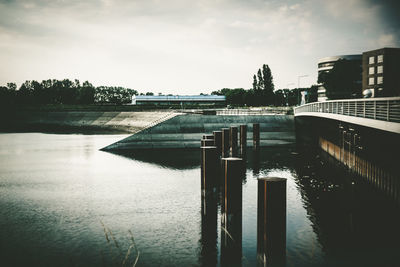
(255,111)
(384,109)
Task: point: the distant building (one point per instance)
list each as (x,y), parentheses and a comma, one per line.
(326,64)
(177,99)
(381,72)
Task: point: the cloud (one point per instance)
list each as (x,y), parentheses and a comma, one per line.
(198,45)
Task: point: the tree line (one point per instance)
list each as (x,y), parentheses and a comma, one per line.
(63,92)
(262,92)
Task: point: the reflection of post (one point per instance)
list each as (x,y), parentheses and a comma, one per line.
(271,221)
(209,165)
(256,136)
(208,248)
(256,162)
(218,141)
(233,141)
(231,212)
(243,140)
(225,142)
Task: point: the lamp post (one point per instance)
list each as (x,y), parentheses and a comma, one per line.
(298,87)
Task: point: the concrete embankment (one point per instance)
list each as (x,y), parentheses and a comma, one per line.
(186,130)
(81,121)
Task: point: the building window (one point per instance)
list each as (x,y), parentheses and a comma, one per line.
(380,58)
(371,70)
(379,80)
(380,69)
(371,81)
(371,60)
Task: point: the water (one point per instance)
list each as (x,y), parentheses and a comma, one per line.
(65,203)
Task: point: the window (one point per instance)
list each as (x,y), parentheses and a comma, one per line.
(371,70)
(379,80)
(380,58)
(371,60)
(371,81)
(380,69)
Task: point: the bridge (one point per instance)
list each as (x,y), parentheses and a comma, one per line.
(378,113)
(362,135)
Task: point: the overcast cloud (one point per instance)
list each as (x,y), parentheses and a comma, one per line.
(186,47)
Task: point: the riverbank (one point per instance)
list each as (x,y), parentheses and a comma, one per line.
(90,122)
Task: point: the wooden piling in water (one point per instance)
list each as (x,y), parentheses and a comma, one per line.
(256,136)
(243,140)
(206,142)
(225,143)
(218,141)
(208,136)
(271,221)
(209,169)
(231,211)
(233,141)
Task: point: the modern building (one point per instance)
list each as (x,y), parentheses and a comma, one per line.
(327,63)
(381,72)
(177,99)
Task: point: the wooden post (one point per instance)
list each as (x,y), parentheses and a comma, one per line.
(208,136)
(209,167)
(271,221)
(233,141)
(231,211)
(256,136)
(225,142)
(243,140)
(218,141)
(208,241)
(207,142)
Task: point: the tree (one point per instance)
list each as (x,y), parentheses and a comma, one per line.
(342,81)
(260,85)
(268,84)
(255,83)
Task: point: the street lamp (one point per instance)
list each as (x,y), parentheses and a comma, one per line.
(298,87)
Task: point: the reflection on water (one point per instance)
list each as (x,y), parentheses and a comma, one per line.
(56,190)
(180,159)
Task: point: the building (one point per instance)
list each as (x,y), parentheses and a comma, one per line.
(177,99)
(327,63)
(381,72)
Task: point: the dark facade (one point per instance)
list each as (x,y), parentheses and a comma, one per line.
(326,64)
(381,72)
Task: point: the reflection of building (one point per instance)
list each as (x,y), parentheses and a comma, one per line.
(326,64)
(177,99)
(381,72)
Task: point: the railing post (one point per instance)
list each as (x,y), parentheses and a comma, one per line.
(374,109)
(355,108)
(364,108)
(388,111)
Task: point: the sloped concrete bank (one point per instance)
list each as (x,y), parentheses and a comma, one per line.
(81,121)
(186,130)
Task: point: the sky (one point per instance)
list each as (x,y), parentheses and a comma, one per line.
(186,47)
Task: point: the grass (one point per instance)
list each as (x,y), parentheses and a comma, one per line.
(119,258)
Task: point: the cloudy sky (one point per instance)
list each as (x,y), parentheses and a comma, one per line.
(186,47)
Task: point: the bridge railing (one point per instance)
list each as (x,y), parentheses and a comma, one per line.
(385,109)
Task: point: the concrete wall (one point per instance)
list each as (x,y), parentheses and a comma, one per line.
(185,131)
(81,121)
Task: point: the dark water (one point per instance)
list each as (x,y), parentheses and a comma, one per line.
(65,203)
